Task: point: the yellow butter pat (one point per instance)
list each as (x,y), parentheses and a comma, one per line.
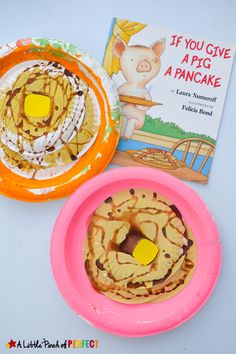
(37,105)
(145,251)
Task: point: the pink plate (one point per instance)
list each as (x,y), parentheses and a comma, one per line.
(142,319)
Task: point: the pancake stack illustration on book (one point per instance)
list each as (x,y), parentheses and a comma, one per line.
(157,158)
(138,248)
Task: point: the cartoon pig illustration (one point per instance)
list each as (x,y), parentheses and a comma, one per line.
(139,65)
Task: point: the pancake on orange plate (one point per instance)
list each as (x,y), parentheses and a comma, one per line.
(59,119)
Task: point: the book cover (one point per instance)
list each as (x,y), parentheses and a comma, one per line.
(172,89)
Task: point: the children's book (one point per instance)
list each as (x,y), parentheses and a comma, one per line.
(172,89)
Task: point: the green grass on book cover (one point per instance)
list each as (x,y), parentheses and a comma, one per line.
(157,126)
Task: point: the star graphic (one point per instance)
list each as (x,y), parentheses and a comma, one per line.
(11,344)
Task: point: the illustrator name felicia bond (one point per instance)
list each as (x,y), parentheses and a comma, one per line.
(195,95)
(195,110)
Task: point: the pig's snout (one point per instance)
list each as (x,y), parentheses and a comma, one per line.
(143,67)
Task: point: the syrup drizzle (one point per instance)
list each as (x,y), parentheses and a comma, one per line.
(125,288)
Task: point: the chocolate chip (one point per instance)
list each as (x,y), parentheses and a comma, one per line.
(99,265)
(154,195)
(167,255)
(131,191)
(67,72)
(73,157)
(186,248)
(176,211)
(55,64)
(80,93)
(190,243)
(51,148)
(108,200)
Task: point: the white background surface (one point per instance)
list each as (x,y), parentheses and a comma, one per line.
(30,304)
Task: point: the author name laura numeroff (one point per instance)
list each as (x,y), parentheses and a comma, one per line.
(199,97)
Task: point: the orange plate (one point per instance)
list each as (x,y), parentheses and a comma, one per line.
(31,167)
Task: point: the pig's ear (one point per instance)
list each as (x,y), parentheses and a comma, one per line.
(159,46)
(118,46)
